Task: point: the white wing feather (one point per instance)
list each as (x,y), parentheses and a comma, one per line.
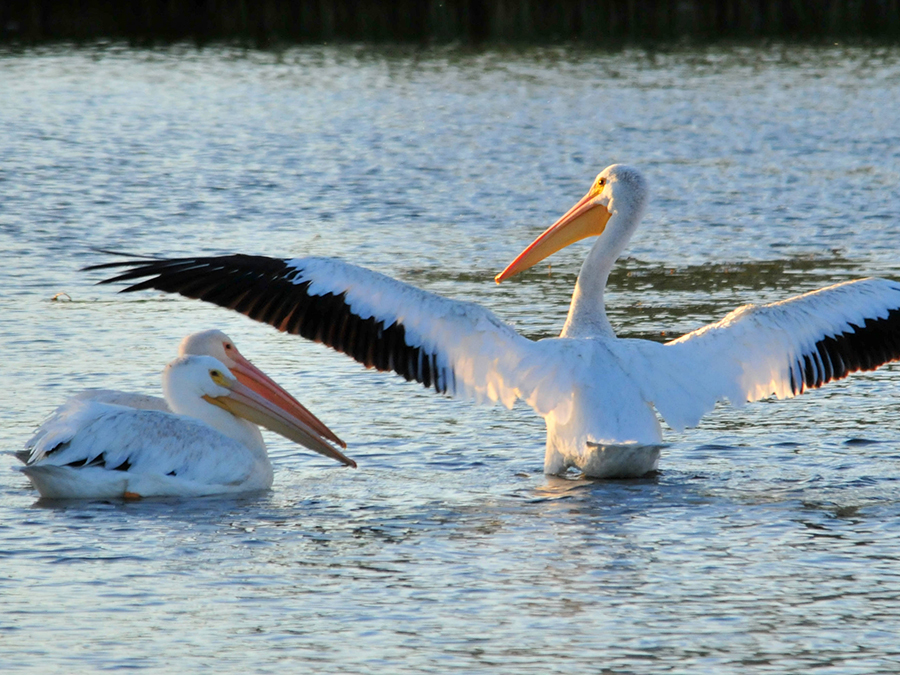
(752,353)
(111,396)
(489,359)
(756,351)
(149,441)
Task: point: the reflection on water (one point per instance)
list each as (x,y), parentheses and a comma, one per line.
(767,540)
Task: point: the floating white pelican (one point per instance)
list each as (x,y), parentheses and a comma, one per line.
(218,345)
(598,394)
(201,443)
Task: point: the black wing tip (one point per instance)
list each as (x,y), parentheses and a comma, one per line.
(143,259)
(864,347)
(268,290)
(133,259)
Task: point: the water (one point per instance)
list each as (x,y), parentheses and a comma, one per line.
(769,540)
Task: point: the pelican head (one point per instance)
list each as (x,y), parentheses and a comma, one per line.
(218,345)
(613,206)
(190,379)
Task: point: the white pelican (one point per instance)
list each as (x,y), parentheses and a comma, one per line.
(598,394)
(92,447)
(213,343)
(218,345)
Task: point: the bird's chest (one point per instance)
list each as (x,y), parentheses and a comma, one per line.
(607,403)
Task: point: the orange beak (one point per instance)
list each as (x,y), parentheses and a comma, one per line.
(243,402)
(586,219)
(252,377)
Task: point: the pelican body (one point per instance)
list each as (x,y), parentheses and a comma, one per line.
(601,396)
(202,439)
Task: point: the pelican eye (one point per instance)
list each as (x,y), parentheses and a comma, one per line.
(218,377)
(228,346)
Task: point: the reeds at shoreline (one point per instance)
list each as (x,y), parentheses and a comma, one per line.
(536,21)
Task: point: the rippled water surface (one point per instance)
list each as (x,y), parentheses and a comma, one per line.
(768,542)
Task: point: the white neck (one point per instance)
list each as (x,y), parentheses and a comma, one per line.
(587,312)
(184,401)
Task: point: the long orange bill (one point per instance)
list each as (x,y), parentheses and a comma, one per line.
(585,219)
(243,401)
(251,376)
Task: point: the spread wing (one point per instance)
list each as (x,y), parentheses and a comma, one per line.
(781,349)
(454,347)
